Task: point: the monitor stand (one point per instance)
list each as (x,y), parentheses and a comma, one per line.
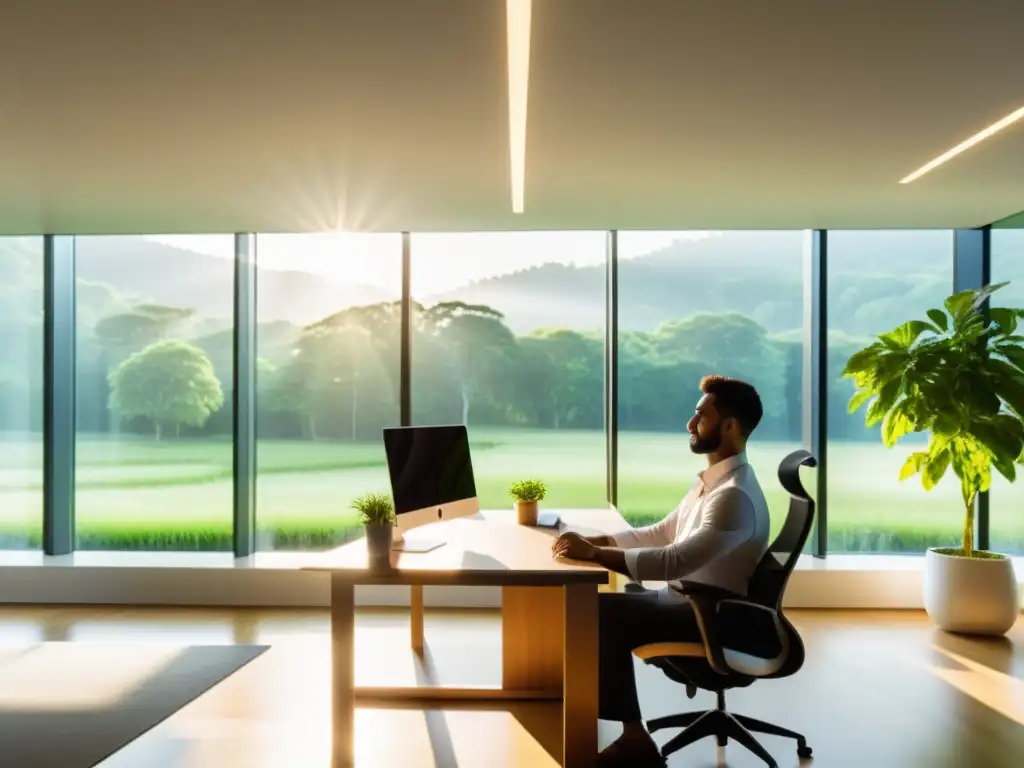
(424,518)
(416,545)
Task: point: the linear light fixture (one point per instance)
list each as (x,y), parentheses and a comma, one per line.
(518,27)
(963,146)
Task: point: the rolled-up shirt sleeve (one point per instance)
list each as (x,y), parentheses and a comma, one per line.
(659,534)
(728,520)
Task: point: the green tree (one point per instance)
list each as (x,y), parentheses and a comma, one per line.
(561,375)
(334,380)
(139,327)
(358,341)
(729,344)
(480,345)
(656,393)
(116,335)
(170,383)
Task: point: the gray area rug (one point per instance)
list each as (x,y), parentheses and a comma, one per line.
(72,705)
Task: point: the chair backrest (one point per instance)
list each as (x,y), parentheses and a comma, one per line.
(768,582)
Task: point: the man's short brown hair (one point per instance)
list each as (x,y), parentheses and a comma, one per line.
(735,399)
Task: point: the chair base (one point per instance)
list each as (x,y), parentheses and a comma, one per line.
(724,726)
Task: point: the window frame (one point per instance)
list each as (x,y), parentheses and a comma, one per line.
(972,269)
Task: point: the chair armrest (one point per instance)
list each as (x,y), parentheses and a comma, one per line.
(691,588)
(705,609)
(707,603)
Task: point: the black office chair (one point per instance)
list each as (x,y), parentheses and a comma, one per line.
(744,638)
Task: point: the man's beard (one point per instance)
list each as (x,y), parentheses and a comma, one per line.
(707,443)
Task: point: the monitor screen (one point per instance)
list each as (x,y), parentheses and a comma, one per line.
(429,466)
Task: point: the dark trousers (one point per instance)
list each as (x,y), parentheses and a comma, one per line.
(626,621)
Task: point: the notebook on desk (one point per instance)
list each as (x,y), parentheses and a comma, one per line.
(548,520)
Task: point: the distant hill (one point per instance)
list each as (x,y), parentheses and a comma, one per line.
(877,279)
(164,274)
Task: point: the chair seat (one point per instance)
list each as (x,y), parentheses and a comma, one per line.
(739,662)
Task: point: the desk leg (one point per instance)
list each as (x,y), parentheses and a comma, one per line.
(531,639)
(416,617)
(343,673)
(579,709)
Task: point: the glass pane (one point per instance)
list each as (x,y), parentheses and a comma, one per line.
(328,346)
(21,392)
(1007,499)
(509,339)
(876,281)
(154,384)
(699,303)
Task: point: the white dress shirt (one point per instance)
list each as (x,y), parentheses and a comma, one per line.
(716,536)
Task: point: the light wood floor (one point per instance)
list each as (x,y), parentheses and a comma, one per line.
(879,689)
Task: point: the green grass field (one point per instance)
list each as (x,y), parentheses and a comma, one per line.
(139,494)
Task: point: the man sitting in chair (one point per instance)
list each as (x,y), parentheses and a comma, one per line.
(716,536)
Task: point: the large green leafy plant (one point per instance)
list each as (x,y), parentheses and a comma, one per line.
(958,375)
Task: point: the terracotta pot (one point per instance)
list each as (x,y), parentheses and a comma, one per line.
(526,512)
(970,595)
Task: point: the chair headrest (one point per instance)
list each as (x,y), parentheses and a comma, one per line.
(789,472)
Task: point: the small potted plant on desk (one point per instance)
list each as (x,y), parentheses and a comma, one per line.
(378,516)
(958,376)
(527,494)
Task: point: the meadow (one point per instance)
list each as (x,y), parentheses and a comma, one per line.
(136,493)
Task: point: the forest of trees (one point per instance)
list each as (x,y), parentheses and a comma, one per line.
(154,367)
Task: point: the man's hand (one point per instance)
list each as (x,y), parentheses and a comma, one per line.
(574,546)
(594,549)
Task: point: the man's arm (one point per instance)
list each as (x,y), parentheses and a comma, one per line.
(612,558)
(611,550)
(596,549)
(659,534)
(728,520)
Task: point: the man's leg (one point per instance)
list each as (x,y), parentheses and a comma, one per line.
(627,621)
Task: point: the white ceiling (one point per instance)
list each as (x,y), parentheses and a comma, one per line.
(266,115)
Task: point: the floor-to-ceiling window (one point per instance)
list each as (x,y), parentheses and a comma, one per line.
(699,303)
(327,377)
(154,357)
(508,338)
(21,392)
(876,281)
(1007,499)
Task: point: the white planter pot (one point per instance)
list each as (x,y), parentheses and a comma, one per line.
(970,595)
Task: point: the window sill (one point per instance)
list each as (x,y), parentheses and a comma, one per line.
(860,563)
(136,559)
(273,579)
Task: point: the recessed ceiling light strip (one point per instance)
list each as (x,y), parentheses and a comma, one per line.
(963,146)
(519,13)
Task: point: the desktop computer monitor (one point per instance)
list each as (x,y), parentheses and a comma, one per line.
(431,478)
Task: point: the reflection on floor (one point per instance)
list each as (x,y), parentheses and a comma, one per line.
(879,688)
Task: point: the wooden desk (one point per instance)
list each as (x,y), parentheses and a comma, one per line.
(549,618)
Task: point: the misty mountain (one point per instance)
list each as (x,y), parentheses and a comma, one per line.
(876,279)
(155,272)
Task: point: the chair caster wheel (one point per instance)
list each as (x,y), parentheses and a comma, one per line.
(803,752)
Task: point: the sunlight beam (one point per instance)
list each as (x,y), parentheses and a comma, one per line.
(996,690)
(519,13)
(963,146)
